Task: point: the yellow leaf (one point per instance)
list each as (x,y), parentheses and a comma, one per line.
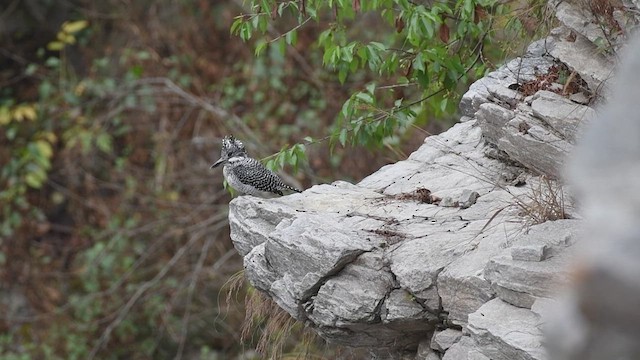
(173,196)
(32,180)
(16,114)
(69,39)
(51,137)
(71,27)
(29,112)
(55,46)
(44,148)
(5,116)
(23,112)
(66,38)
(79,90)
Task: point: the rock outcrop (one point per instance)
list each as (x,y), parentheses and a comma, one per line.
(445,254)
(600,317)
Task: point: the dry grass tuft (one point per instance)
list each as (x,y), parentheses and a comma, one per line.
(545,202)
(274,333)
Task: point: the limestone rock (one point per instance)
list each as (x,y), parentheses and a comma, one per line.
(533,144)
(561,114)
(465,349)
(362,263)
(492,118)
(468,198)
(521,282)
(602,308)
(442,340)
(517,71)
(505,332)
(529,252)
(579,20)
(401,305)
(374,265)
(582,56)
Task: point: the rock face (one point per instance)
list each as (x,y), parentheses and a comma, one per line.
(382,265)
(603,303)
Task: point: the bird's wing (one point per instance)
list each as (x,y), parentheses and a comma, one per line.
(252,172)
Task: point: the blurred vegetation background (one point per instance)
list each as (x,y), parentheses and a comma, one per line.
(114,238)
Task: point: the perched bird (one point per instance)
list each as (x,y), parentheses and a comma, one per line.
(245,174)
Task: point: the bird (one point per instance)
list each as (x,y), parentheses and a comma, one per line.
(245,174)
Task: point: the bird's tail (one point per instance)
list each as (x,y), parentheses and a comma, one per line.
(285,186)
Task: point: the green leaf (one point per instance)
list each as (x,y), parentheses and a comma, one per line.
(263,23)
(443,105)
(282,47)
(418,62)
(103,141)
(31,69)
(365,97)
(235,26)
(291,37)
(342,74)
(271,164)
(371,88)
(44,148)
(35,178)
(347,109)
(245,31)
(423,78)
(343,137)
(260,46)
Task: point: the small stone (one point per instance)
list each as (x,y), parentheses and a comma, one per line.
(468,198)
(443,340)
(579,98)
(448,201)
(567,240)
(500,94)
(461,350)
(555,87)
(401,305)
(536,252)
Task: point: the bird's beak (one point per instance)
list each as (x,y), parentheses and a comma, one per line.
(218,163)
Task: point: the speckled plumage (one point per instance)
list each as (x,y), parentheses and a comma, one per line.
(247,175)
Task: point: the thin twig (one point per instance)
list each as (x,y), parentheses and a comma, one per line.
(192,286)
(124,311)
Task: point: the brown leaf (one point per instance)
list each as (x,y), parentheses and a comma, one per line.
(356,5)
(274,11)
(443,33)
(399,24)
(409,69)
(479,14)
(303,8)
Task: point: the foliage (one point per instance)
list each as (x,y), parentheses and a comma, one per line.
(97,234)
(414,66)
(113,230)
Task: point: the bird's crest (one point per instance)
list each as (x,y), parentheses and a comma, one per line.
(231,145)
